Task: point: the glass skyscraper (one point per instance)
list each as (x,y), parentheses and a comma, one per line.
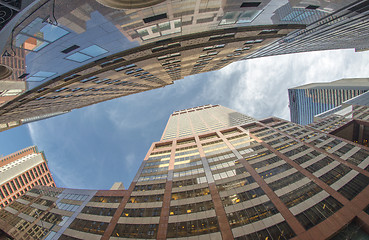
(311,99)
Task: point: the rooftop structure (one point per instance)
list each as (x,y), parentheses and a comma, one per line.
(247,179)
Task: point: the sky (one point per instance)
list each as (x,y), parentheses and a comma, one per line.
(93,147)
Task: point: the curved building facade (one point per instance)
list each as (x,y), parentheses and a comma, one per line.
(216,174)
(82,52)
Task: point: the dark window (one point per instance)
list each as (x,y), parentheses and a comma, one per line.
(155,18)
(361,8)
(68,50)
(312,7)
(250,4)
(23,75)
(354,187)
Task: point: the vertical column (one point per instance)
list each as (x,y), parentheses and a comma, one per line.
(164,215)
(113,222)
(287,215)
(224,226)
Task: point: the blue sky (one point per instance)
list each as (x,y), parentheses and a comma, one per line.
(96,146)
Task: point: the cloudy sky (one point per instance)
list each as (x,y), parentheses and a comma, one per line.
(96,146)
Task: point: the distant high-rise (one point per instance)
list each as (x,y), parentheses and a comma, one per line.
(20,172)
(216,174)
(337,25)
(311,99)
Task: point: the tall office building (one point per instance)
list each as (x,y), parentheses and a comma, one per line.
(21,171)
(216,174)
(156,43)
(311,99)
(338,25)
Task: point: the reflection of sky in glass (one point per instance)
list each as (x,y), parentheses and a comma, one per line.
(38,35)
(52,33)
(78,57)
(43,74)
(36,79)
(39,46)
(94,51)
(248,16)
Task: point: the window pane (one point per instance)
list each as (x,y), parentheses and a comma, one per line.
(43,74)
(78,57)
(94,51)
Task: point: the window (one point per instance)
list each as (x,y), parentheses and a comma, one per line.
(68,50)
(312,7)
(161,29)
(40,76)
(250,4)
(87,53)
(38,34)
(239,17)
(155,18)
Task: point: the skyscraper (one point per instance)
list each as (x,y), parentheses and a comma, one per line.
(338,25)
(158,42)
(22,171)
(311,99)
(216,174)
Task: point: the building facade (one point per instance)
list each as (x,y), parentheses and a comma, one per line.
(153,47)
(348,121)
(223,176)
(312,99)
(20,172)
(339,25)
(158,42)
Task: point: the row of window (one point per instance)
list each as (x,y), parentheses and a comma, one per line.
(285,181)
(99,211)
(149,187)
(89,226)
(191,208)
(300,194)
(274,171)
(141,212)
(190,193)
(281,231)
(252,214)
(235,183)
(135,231)
(106,199)
(189,182)
(242,197)
(319,212)
(149,198)
(193,228)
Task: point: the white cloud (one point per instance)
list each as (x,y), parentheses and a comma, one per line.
(258,87)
